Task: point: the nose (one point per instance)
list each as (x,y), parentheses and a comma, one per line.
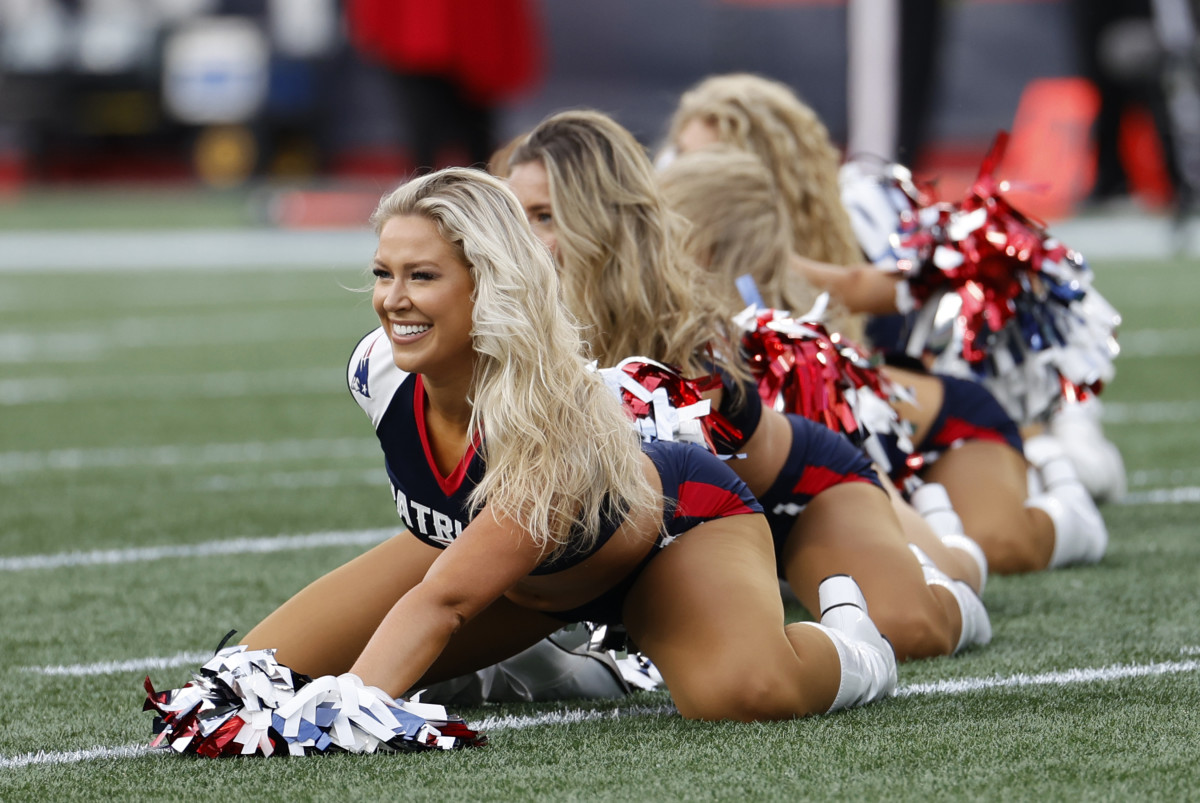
(396,297)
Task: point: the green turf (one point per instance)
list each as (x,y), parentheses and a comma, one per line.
(134,207)
(143,409)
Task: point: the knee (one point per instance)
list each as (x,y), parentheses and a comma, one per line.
(1013,549)
(755,696)
(916,631)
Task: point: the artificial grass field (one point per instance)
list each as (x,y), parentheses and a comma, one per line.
(162,410)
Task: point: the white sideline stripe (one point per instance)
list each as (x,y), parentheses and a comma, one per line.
(170,387)
(175,455)
(72,756)
(1151,412)
(1101,237)
(291,480)
(1108,673)
(183,249)
(1161,476)
(1162,496)
(231,546)
(136,333)
(570,716)
(114,667)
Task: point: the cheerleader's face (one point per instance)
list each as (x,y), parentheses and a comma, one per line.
(531,185)
(696,134)
(422,296)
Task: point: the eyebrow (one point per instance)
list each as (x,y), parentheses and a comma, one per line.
(407,265)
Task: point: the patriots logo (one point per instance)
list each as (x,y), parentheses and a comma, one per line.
(359,383)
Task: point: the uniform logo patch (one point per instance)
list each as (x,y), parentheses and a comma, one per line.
(363,370)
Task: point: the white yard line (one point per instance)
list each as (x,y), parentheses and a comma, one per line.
(1063,678)
(230,546)
(43,757)
(183,249)
(1098,238)
(291,480)
(1162,496)
(76,344)
(171,387)
(571,716)
(130,665)
(1163,477)
(277,543)
(189,455)
(1151,412)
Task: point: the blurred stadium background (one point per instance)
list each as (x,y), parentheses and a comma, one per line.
(247,94)
(177,453)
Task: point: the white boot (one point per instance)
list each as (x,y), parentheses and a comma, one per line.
(1096,459)
(1080,535)
(867,659)
(554,668)
(976,624)
(933,503)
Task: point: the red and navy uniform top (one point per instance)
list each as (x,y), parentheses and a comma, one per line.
(434,507)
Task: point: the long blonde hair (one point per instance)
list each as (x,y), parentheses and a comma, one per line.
(625,273)
(766,118)
(559,449)
(740,226)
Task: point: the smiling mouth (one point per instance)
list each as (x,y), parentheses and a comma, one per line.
(408,330)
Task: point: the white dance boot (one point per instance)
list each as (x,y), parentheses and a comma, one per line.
(933,503)
(976,624)
(1096,459)
(559,667)
(867,659)
(1080,535)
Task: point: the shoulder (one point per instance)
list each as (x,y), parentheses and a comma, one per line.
(372,376)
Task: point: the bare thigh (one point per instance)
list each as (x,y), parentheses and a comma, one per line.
(986,484)
(707,612)
(852,529)
(500,631)
(323,628)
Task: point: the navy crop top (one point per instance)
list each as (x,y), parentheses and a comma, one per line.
(433,507)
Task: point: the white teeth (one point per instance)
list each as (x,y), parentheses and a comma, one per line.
(405,330)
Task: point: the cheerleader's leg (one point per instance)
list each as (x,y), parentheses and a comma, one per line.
(1080,535)
(707,612)
(322,629)
(986,483)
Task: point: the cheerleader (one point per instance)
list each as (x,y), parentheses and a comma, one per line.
(530,502)
(766,118)
(589,190)
(965,442)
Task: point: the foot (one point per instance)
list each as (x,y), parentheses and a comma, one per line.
(1080,535)
(976,624)
(1096,459)
(933,503)
(867,659)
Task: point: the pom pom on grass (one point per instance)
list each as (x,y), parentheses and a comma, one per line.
(244,702)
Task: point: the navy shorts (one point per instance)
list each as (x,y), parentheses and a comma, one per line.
(969,412)
(697,487)
(819,458)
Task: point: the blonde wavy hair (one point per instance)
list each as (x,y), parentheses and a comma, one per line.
(625,272)
(766,118)
(740,226)
(560,451)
